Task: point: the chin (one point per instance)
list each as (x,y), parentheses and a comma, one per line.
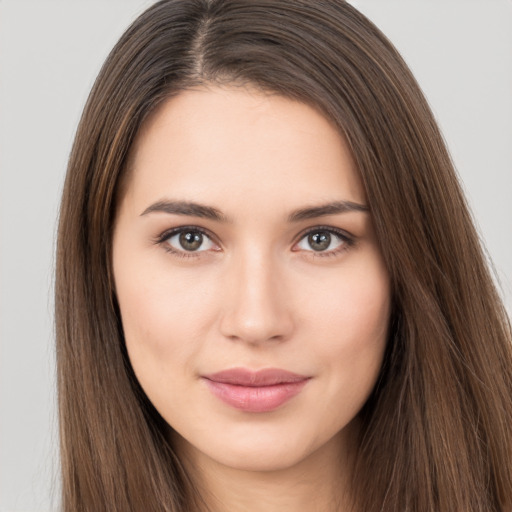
(261,459)
(258,450)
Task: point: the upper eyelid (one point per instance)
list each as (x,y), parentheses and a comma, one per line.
(331,229)
(174,231)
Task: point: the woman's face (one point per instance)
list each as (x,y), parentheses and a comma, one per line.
(253,294)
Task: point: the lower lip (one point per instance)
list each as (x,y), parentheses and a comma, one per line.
(255,399)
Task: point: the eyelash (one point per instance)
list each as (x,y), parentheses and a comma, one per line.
(166,235)
(347,240)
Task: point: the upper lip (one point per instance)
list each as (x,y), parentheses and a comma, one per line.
(252,378)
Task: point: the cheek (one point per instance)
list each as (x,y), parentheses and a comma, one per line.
(350,346)
(165,317)
(352,320)
(355,302)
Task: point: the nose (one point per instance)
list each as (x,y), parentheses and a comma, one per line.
(256,309)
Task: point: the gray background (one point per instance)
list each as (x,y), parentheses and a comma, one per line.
(50,52)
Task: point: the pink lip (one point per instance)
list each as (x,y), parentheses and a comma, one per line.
(255,391)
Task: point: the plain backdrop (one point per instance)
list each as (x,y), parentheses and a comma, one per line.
(50,53)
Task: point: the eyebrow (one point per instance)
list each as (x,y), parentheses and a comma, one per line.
(192,209)
(186,208)
(333,208)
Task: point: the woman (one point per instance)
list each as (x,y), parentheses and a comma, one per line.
(270,294)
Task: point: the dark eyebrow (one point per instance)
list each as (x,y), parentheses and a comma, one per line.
(185,208)
(332,208)
(209,212)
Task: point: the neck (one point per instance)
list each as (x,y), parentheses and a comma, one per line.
(319,483)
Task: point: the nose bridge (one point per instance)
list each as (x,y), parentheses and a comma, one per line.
(256,309)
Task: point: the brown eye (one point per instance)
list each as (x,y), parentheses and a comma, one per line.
(319,241)
(324,241)
(191,240)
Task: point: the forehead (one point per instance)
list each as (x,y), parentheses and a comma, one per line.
(221,145)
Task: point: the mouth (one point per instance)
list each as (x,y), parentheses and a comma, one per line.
(255,391)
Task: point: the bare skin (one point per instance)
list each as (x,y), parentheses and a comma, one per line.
(244,241)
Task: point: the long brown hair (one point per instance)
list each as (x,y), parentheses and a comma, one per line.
(437,431)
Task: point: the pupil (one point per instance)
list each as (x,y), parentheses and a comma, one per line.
(191,240)
(319,241)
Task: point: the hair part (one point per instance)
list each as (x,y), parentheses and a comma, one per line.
(436,432)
